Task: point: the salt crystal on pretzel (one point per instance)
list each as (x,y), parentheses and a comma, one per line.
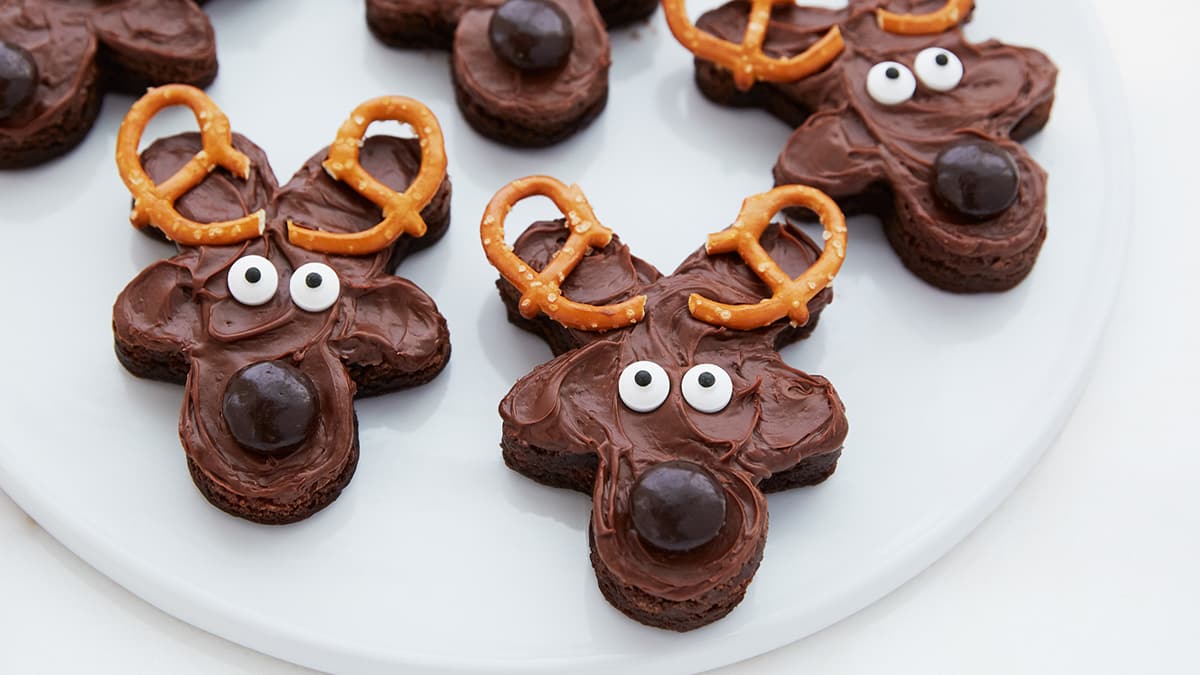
(540,291)
(790,296)
(949,16)
(401,210)
(155,204)
(746,61)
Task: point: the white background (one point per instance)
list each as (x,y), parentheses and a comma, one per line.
(1091,566)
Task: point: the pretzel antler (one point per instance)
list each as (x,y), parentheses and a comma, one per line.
(401,210)
(540,291)
(155,204)
(747,61)
(949,16)
(791,296)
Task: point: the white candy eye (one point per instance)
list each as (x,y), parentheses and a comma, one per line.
(707,388)
(315,287)
(643,386)
(253,280)
(891,83)
(939,69)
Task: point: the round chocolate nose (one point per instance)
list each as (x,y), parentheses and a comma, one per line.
(532,35)
(677,506)
(977,179)
(18,78)
(270,407)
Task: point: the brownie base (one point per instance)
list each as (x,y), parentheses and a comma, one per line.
(410,31)
(577,471)
(267,512)
(990,274)
(61,135)
(812,471)
(133,73)
(533,132)
(617,13)
(379,379)
(676,615)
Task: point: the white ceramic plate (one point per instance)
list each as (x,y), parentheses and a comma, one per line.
(439,557)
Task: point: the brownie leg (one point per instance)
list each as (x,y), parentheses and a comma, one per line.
(674,615)
(811,471)
(273,513)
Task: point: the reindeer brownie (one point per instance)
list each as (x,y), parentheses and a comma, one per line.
(898,115)
(274,326)
(58,56)
(526,73)
(668,400)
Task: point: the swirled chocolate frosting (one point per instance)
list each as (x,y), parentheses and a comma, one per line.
(565,423)
(179,321)
(877,154)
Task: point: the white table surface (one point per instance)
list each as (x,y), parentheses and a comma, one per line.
(1093,565)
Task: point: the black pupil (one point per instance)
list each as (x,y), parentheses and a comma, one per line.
(642,378)
(312,280)
(942,59)
(253,275)
(707,380)
(893,74)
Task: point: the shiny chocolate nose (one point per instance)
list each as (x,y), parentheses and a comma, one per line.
(531,35)
(270,407)
(677,506)
(18,79)
(977,179)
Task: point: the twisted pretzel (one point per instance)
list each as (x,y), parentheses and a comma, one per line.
(791,296)
(155,204)
(949,16)
(401,210)
(746,61)
(540,290)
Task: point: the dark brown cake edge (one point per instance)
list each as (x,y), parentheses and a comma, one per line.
(680,616)
(539,133)
(61,136)
(266,512)
(409,31)
(618,13)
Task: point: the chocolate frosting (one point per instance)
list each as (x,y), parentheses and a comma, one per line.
(507,91)
(442,13)
(134,42)
(778,416)
(850,146)
(183,306)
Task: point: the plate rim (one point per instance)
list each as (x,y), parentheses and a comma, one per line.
(919,553)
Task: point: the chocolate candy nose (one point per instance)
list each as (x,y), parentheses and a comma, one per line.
(270,407)
(18,78)
(532,35)
(977,179)
(677,506)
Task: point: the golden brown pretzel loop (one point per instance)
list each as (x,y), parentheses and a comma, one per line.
(540,291)
(790,296)
(949,16)
(746,61)
(155,204)
(401,210)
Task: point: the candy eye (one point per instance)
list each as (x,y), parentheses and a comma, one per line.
(707,388)
(253,280)
(891,83)
(939,69)
(315,287)
(643,386)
